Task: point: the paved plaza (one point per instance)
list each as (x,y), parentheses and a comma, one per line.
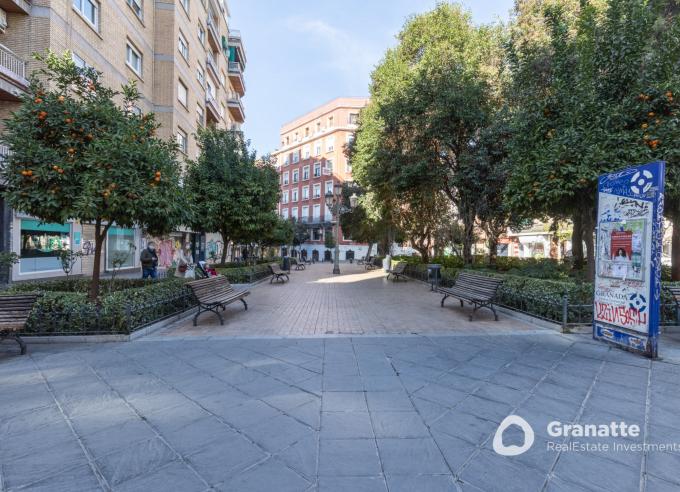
(366,412)
(315,302)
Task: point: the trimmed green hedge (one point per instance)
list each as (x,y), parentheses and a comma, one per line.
(245,275)
(65,309)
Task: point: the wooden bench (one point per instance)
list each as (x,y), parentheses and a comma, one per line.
(213,293)
(277,273)
(299,265)
(478,290)
(14,313)
(397,271)
(368,264)
(674,291)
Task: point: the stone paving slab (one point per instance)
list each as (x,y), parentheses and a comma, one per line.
(365,413)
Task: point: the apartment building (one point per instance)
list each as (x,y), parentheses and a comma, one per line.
(310,161)
(188,65)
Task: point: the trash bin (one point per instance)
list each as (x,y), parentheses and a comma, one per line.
(387,263)
(434,273)
(286,264)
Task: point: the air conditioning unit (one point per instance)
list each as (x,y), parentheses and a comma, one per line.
(3,21)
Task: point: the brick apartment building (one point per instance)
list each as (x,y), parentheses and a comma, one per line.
(310,160)
(188,65)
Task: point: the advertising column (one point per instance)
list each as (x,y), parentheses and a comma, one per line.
(627,299)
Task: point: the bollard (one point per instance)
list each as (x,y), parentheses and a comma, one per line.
(565,313)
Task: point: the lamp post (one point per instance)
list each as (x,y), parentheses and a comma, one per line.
(334,204)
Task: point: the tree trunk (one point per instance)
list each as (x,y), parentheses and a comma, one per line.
(589,239)
(492,243)
(469,237)
(225,241)
(424,252)
(99,235)
(370,248)
(675,248)
(577,241)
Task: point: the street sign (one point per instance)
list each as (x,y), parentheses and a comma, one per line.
(627,298)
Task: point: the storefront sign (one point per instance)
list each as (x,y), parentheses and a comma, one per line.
(628,270)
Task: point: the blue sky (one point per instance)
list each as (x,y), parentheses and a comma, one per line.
(302,53)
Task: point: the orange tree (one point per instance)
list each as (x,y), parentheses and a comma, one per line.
(596,95)
(77,154)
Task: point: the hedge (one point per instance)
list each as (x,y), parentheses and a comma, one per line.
(65,309)
(245,274)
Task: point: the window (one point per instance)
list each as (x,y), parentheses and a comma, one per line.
(330,121)
(88,9)
(296,137)
(318,126)
(349,138)
(317,190)
(134,59)
(307,132)
(182,140)
(353,118)
(120,248)
(305,173)
(296,176)
(294,213)
(136,6)
(210,89)
(294,195)
(317,212)
(79,62)
(329,166)
(185,5)
(285,178)
(330,144)
(40,245)
(223,79)
(284,213)
(317,169)
(296,156)
(200,114)
(329,186)
(287,140)
(305,152)
(317,148)
(200,75)
(201,34)
(348,166)
(286,159)
(182,93)
(305,192)
(305,214)
(284,197)
(222,110)
(183,46)
(317,234)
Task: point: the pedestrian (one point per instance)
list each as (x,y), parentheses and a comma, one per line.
(149,260)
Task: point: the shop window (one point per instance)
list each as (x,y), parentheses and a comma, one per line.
(40,245)
(120,248)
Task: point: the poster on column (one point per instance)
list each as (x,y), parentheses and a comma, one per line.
(627,294)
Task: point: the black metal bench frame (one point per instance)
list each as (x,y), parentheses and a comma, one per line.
(14,313)
(473,294)
(231,295)
(397,271)
(277,275)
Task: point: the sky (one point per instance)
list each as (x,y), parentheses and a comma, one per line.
(303,53)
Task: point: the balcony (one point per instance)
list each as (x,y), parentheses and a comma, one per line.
(236,77)
(213,112)
(16,6)
(236,108)
(236,43)
(213,36)
(212,67)
(13,81)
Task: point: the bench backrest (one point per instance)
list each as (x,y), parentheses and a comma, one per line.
(481,286)
(399,267)
(275,268)
(211,287)
(15,310)
(674,291)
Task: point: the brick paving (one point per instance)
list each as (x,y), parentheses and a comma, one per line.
(315,302)
(366,412)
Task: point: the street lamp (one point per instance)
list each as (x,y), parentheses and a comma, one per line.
(334,204)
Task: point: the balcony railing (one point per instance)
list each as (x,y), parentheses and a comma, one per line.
(236,77)
(13,67)
(213,36)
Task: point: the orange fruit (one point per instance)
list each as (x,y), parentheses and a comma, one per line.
(61,99)
(42,115)
(651,114)
(37,100)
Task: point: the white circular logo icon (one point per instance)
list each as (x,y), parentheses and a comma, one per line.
(641,182)
(513,450)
